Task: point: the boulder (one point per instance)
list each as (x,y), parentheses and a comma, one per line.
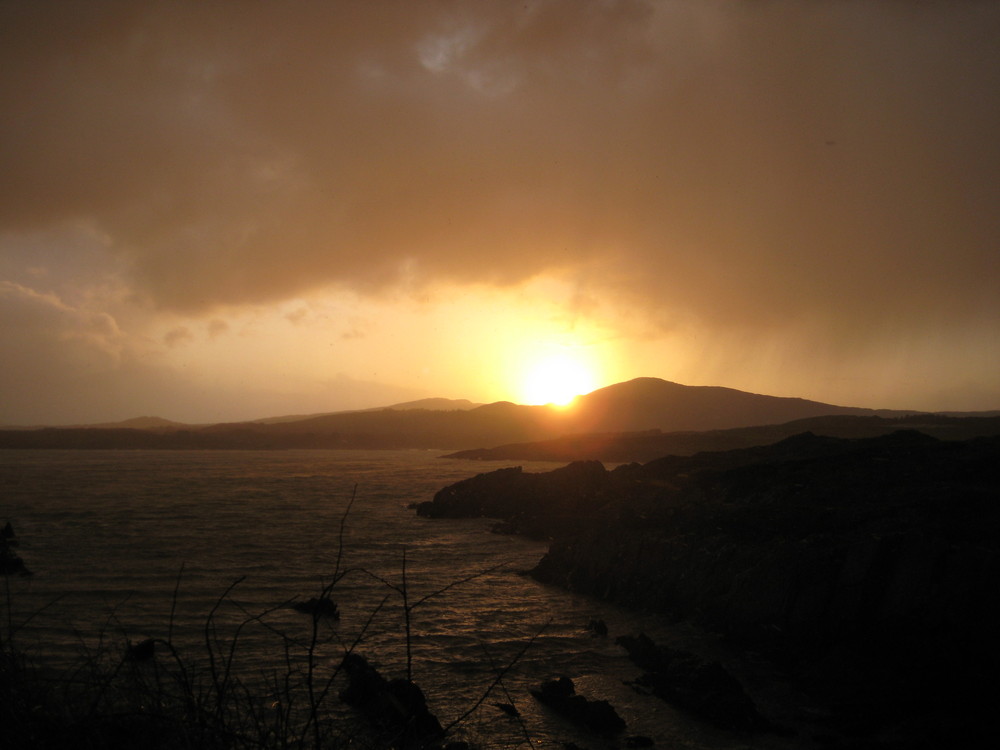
(318,607)
(10,561)
(596,715)
(705,689)
(142,651)
(396,709)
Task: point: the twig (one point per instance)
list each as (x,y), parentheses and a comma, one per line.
(459,582)
(340,532)
(209,633)
(406,618)
(507,695)
(499,679)
(173,603)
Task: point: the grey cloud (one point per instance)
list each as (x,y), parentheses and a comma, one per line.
(47,346)
(739,163)
(66,365)
(217,327)
(87,340)
(177,336)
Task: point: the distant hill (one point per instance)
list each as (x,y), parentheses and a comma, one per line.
(147,423)
(625,447)
(392,427)
(642,405)
(432,404)
(436,404)
(636,405)
(159,423)
(651,403)
(155,424)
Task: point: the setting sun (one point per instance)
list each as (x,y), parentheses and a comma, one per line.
(557,379)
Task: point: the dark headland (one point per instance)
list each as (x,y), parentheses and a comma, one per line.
(865,570)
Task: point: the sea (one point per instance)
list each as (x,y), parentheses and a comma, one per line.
(213,547)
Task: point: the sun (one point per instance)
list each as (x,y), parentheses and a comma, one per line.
(556,379)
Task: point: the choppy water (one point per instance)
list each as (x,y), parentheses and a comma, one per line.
(110,536)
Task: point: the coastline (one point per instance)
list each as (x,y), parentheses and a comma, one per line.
(862,568)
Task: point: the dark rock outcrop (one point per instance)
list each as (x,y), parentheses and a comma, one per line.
(10,561)
(318,607)
(535,505)
(648,445)
(396,709)
(705,689)
(142,651)
(639,740)
(508,708)
(596,715)
(813,542)
(865,566)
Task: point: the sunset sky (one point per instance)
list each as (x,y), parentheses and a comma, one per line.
(228,210)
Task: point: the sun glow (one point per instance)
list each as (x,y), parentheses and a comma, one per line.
(557,379)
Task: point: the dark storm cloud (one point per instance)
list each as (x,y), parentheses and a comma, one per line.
(734,162)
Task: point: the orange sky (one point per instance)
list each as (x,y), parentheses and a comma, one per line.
(218,211)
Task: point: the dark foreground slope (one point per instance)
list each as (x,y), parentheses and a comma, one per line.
(868,566)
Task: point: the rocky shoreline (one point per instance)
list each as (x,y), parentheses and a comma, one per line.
(866,568)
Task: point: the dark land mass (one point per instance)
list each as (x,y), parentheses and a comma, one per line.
(427,404)
(866,569)
(644,404)
(381,429)
(650,444)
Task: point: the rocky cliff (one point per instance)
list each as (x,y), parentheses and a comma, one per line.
(537,505)
(870,566)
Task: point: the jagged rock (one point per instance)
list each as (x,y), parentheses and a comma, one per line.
(639,740)
(535,505)
(506,528)
(560,687)
(396,709)
(508,708)
(705,689)
(10,561)
(142,651)
(493,494)
(866,565)
(804,544)
(596,715)
(318,607)
(598,627)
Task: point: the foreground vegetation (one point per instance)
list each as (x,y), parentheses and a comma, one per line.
(157,693)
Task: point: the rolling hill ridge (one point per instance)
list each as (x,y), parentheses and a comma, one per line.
(643,405)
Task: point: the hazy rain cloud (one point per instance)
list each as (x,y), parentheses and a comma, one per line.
(782,174)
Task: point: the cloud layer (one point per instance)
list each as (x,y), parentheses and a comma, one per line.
(830,167)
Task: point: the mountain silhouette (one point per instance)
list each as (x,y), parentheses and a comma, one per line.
(640,405)
(432,404)
(652,403)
